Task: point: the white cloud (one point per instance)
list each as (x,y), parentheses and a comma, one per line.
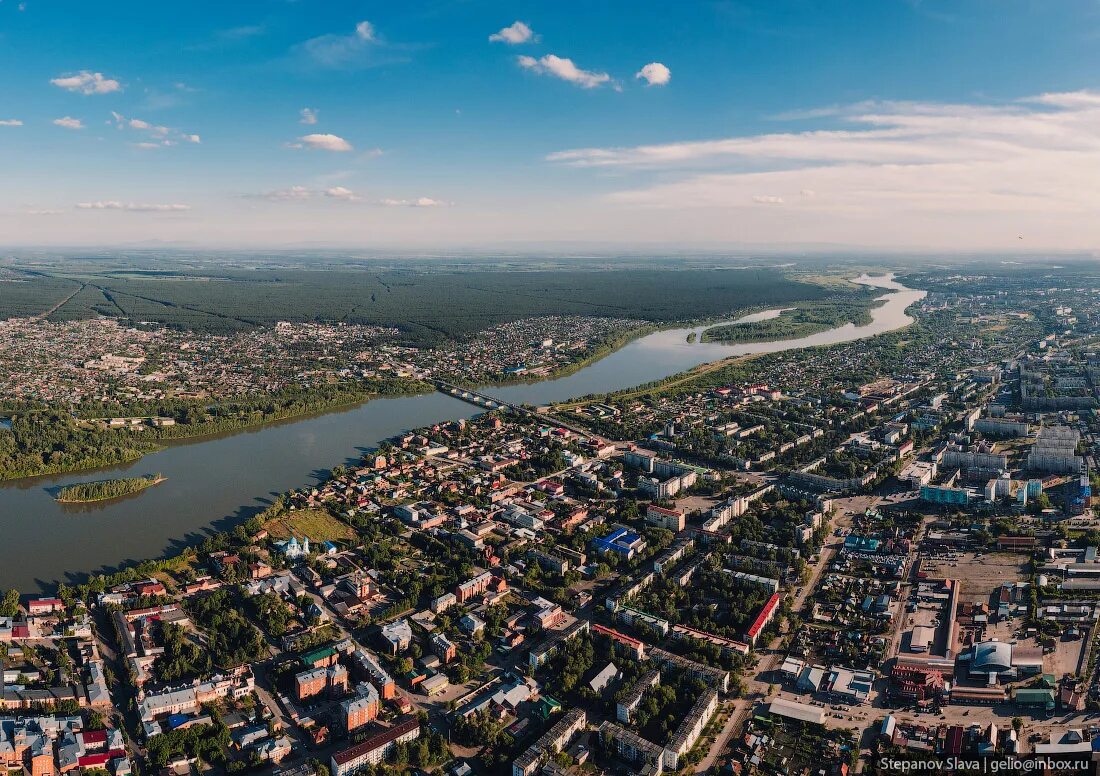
(886,172)
(563,68)
(131,206)
(308,116)
(362,47)
(654,74)
(418,202)
(300,193)
(87,82)
(286,195)
(68,122)
(10,123)
(365,31)
(341,192)
(156,136)
(324,142)
(514,34)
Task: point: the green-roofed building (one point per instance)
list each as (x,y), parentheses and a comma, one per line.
(319,658)
(547,706)
(1035,697)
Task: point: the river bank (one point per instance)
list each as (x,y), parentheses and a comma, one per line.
(217,483)
(124,446)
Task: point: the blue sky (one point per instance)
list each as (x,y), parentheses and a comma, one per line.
(894,123)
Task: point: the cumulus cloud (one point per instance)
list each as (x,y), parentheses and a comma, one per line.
(87,82)
(513,34)
(418,202)
(563,68)
(308,116)
(654,74)
(323,142)
(341,192)
(68,122)
(133,207)
(1028,164)
(365,31)
(10,123)
(156,136)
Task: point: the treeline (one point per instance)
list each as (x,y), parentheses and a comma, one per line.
(50,442)
(47,441)
(430,308)
(106,489)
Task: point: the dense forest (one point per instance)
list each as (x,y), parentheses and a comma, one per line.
(106,489)
(430,308)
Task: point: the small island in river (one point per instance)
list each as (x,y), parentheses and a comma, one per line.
(107,489)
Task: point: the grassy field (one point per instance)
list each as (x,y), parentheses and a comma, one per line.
(315,524)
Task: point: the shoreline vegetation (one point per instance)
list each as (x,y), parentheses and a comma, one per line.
(801,320)
(105,490)
(45,442)
(186,556)
(267,518)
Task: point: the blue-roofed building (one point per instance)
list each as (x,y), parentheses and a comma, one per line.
(621,541)
(856,543)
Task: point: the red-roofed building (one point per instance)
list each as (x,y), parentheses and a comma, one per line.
(953,742)
(672,519)
(1017,543)
(101,759)
(45,606)
(632,645)
(767,613)
(916,683)
(94,739)
(552,487)
(150,587)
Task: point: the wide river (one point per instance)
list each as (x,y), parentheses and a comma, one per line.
(217,482)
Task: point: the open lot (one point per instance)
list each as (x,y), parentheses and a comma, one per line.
(979,574)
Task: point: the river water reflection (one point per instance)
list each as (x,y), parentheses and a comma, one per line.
(214,483)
